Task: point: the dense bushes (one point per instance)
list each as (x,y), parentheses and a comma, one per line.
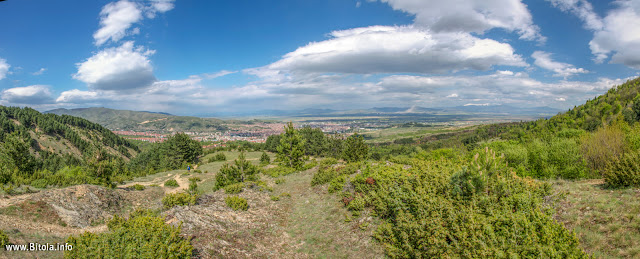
(143,235)
(623,171)
(234,188)
(241,170)
(236,203)
(603,146)
(218,157)
(171,200)
(171,183)
(434,208)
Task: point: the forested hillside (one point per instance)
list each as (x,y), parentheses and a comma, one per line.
(142,121)
(43,150)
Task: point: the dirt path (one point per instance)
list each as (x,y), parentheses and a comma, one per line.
(41,228)
(315,221)
(11,200)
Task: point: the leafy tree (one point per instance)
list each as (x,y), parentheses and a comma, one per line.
(291,149)
(603,146)
(355,149)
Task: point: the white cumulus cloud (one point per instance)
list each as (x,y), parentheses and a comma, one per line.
(119,68)
(115,19)
(471,16)
(544,60)
(28,95)
(616,36)
(392,49)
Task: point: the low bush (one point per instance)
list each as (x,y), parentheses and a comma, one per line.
(143,235)
(309,165)
(280,181)
(171,183)
(4,239)
(234,188)
(274,197)
(171,200)
(279,171)
(236,203)
(337,184)
(218,157)
(195,179)
(197,171)
(624,171)
(324,175)
(328,162)
(139,187)
(435,208)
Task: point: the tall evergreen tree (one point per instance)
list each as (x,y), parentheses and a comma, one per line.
(291,149)
(355,149)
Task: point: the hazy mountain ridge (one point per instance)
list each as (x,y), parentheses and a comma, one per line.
(143,120)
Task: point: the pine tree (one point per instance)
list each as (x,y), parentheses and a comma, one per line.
(291,149)
(355,149)
(265,159)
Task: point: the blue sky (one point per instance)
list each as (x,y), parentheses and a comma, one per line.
(205,57)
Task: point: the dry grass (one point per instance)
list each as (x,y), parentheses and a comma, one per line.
(607,221)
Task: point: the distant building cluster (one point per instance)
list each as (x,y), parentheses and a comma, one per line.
(256,132)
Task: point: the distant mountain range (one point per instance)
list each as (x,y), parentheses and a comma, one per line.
(143,120)
(482,109)
(159,121)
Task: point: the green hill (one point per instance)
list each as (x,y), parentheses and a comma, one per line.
(143,121)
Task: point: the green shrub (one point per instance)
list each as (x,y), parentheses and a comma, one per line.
(328,162)
(309,165)
(624,171)
(139,187)
(171,200)
(197,171)
(264,187)
(195,179)
(143,235)
(241,170)
(337,184)
(323,175)
(280,181)
(4,239)
(218,157)
(265,159)
(436,209)
(171,183)
(39,183)
(274,197)
(357,204)
(285,194)
(279,171)
(236,203)
(234,188)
